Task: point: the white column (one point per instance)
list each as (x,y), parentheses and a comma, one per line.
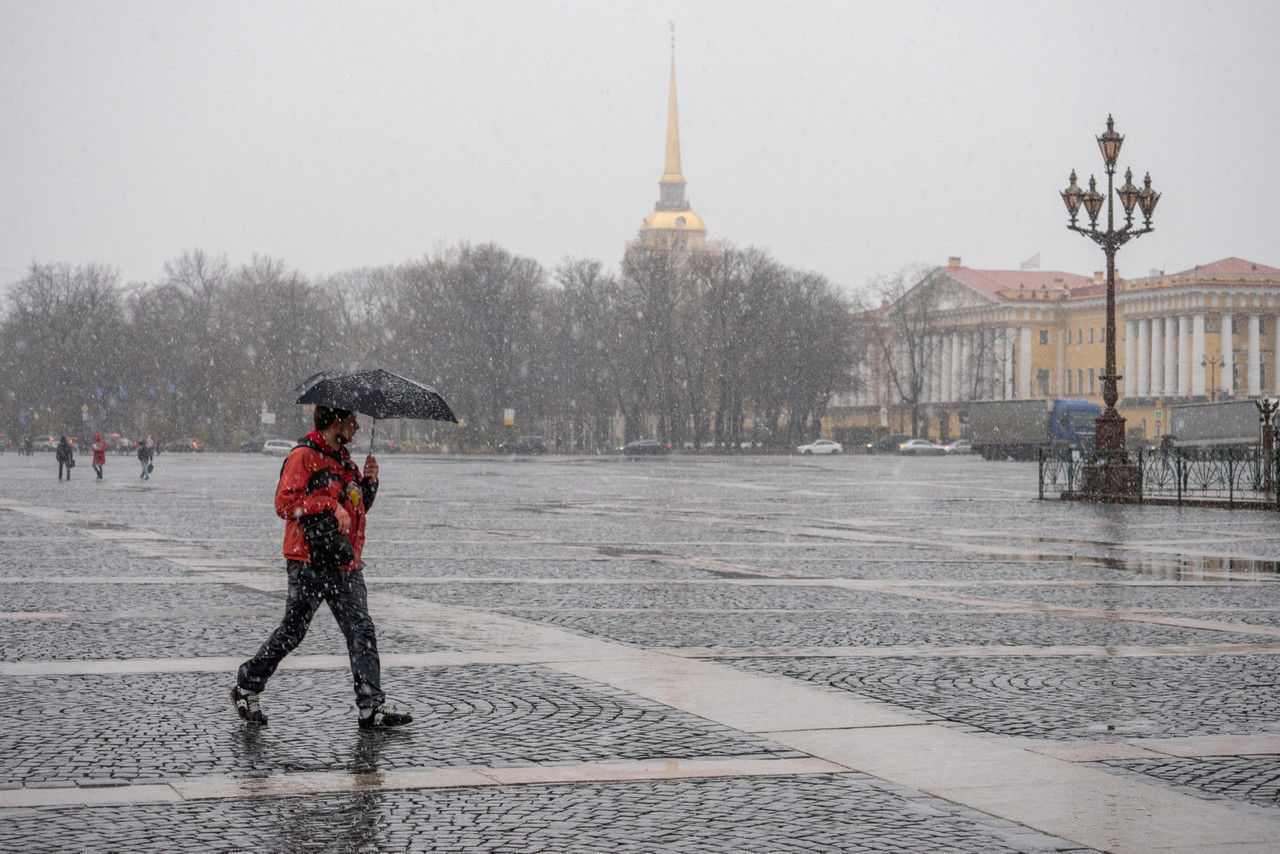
(1156,387)
(944,389)
(1024,361)
(1170,357)
(1184,350)
(1197,355)
(1254,372)
(931,368)
(966,364)
(1143,382)
(1130,359)
(1228,382)
(1275,375)
(956,368)
(1007,344)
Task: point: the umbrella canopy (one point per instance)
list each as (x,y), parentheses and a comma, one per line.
(376,393)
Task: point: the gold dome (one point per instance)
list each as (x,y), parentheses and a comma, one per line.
(685,220)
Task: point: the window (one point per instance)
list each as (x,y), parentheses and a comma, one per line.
(1080,380)
(1091,381)
(1044,336)
(1042,380)
(1090,334)
(1068,382)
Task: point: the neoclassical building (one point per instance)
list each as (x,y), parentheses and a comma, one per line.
(1208,333)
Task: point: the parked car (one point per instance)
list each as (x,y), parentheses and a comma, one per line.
(524,445)
(920,447)
(887,444)
(959,446)
(645,447)
(5,443)
(278,447)
(820,446)
(189,444)
(385,446)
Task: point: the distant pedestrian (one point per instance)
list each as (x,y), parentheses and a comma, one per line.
(99,454)
(66,457)
(144,457)
(324,499)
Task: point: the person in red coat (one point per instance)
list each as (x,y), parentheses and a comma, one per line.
(324,499)
(99,454)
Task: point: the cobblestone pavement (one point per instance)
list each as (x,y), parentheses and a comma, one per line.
(730,614)
(814,814)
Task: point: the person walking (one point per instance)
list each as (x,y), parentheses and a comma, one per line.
(144,457)
(324,500)
(66,457)
(99,454)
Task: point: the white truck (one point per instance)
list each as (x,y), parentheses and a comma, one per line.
(1000,429)
(1230,423)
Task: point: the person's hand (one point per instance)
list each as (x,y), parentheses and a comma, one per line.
(371,468)
(344,519)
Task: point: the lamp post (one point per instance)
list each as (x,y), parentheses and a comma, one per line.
(1206,362)
(1109,440)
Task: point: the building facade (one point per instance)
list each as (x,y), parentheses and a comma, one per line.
(960,334)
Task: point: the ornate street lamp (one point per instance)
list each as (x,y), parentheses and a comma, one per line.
(1109,440)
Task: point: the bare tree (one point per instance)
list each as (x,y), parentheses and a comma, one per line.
(908,329)
(61,346)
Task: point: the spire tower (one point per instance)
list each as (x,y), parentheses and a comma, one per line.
(672,213)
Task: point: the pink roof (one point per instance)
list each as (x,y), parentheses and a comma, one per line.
(992,282)
(1229,267)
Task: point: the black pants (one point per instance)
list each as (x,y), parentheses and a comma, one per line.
(98,469)
(64,464)
(345,593)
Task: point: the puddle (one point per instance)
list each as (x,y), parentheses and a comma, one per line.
(617,551)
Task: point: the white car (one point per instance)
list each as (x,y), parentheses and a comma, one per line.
(821,446)
(277,447)
(959,446)
(920,447)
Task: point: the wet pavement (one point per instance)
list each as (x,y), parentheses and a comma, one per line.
(681,654)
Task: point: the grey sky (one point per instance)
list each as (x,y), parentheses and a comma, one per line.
(851,138)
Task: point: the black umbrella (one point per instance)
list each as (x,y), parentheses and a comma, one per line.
(376,393)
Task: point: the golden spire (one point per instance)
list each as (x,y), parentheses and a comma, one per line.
(672,170)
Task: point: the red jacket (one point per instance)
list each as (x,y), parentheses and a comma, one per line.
(99,451)
(313,481)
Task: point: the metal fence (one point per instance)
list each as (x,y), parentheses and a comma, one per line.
(1221,476)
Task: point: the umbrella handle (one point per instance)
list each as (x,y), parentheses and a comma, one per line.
(373,431)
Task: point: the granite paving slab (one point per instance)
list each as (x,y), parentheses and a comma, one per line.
(1064,698)
(801,629)
(1250,779)
(177,634)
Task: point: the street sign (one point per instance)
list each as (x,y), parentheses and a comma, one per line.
(509,417)
(1159,415)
